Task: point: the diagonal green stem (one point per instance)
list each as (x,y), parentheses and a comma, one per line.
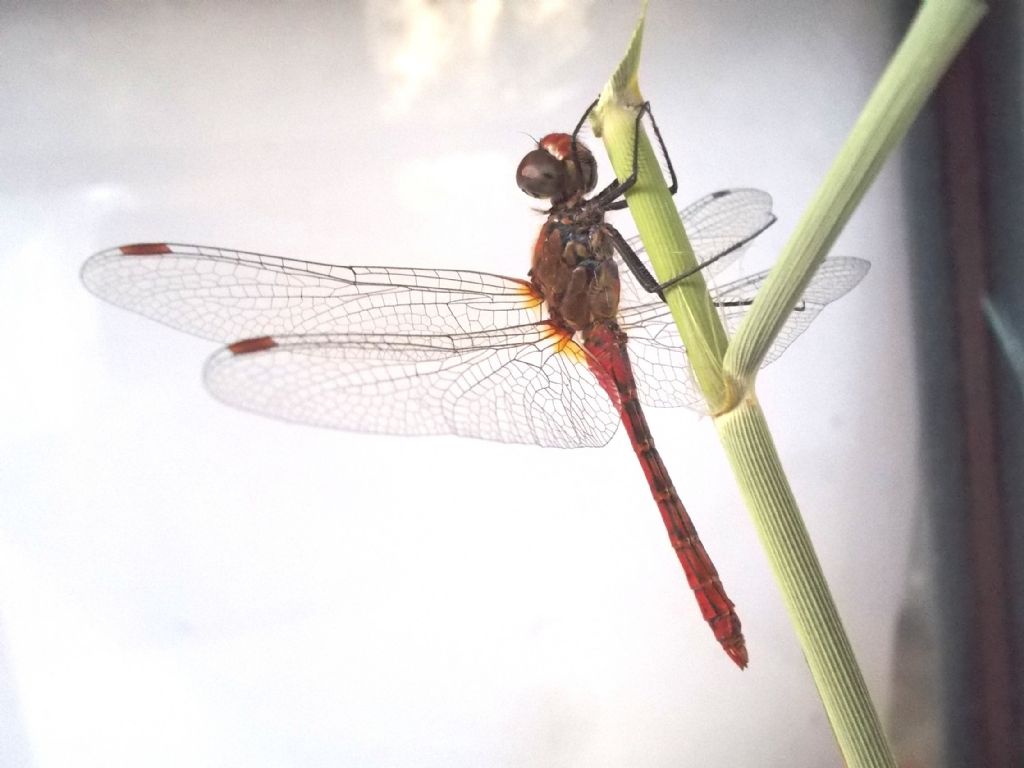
(939,30)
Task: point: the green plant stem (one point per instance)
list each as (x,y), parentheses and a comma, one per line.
(751,451)
(671,254)
(659,226)
(938,32)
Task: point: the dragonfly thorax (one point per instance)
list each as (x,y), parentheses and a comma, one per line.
(574,271)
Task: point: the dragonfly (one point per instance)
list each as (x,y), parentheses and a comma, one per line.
(558,359)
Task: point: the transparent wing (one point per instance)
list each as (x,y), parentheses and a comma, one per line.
(836,277)
(661,368)
(226,295)
(719,226)
(662,371)
(521,385)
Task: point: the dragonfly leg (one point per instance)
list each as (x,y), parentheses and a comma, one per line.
(579,124)
(649,283)
(643,275)
(607,196)
(615,205)
(679,278)
(629,257)
(606,199)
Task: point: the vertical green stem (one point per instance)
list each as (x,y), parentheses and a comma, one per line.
(765,489)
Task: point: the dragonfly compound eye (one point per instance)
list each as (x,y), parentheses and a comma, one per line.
(541,175)
(588,167)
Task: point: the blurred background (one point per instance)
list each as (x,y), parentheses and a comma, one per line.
(185,584)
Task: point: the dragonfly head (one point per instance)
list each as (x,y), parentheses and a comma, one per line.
(554,171)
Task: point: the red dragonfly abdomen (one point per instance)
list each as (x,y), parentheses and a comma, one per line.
(609,360)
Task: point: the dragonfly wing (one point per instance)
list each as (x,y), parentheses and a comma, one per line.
(835,278)
(719,227)
(519,385)
(224,295)
(663,374)
(664,378)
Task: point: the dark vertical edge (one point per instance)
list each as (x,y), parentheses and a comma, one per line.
(964,167)
(964,173)
(1002,120)
(937,643)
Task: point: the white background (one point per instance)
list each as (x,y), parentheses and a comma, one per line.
(184,584)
